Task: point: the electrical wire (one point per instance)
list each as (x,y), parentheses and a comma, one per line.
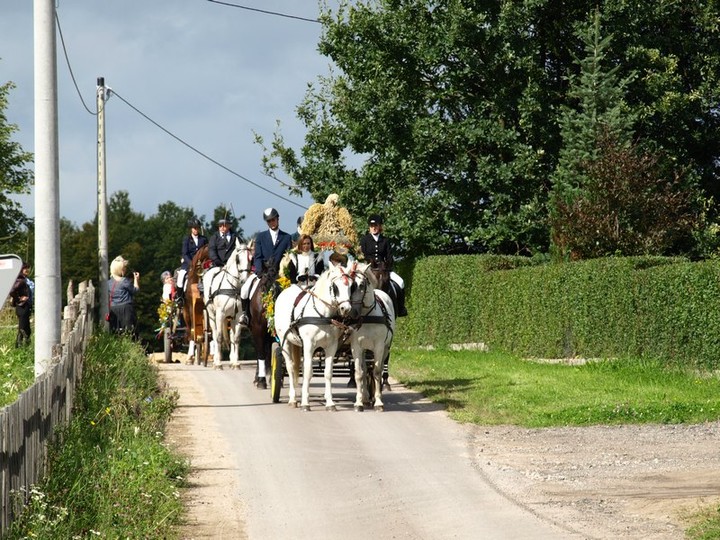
(67,61)
(110,91)
(264,11)
(114,93)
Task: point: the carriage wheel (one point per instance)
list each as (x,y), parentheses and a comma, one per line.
(167,345)
(277,372)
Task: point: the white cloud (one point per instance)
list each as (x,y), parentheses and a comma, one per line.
(210,74)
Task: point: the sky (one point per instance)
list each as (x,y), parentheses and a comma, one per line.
(211,74)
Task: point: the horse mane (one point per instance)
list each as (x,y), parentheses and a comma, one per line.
(197,260)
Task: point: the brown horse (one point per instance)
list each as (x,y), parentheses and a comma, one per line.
(261,337)
(193,309)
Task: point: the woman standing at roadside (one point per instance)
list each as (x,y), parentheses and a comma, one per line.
(121,291)
(21,299)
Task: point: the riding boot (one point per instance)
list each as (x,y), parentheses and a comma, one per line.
(402,312)
(244,316)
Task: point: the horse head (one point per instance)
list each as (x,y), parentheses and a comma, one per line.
(367,282)
(381,273)
(196,266)
(335,288)
(239,263)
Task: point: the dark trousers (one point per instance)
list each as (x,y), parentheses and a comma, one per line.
(123,319)
(23,315)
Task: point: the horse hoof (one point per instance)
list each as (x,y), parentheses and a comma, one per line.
(331,408)
(386,387)
(234,366)
(217,366)
(293,404)
(359,408)
(379,408)
(262,384)
(305,408)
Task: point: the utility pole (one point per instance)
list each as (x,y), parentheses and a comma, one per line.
(48,300)
(102,202)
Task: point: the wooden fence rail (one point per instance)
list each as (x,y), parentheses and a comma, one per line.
(27,426)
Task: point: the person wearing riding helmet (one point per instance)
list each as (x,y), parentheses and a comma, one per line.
(375,246)
(191,245)
(270,245)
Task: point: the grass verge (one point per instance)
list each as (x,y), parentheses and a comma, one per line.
(110,474)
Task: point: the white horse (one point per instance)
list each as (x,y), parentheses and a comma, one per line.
(374,332)
(222,301)
(309,319)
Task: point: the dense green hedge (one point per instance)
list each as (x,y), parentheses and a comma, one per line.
(659,307)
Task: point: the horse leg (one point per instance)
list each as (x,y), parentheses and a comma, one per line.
(235,344)
(329,403)
(292,364)
(307,352)
(385,371)
(218,339)
(359,365)
(379,355)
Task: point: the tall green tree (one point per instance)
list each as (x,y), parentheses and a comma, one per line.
(15,178)
(444,115)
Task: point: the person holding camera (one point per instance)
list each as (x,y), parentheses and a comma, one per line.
(122,291)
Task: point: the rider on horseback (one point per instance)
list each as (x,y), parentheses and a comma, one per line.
(376,247)
(191,244)
(270,245)
(222,243)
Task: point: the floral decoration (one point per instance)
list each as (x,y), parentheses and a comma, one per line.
(268,301)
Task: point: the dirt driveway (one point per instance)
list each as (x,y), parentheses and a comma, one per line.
(636,482)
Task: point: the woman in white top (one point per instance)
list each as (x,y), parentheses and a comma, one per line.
(306,264)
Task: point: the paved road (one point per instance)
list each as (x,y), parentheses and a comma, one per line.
(404,473)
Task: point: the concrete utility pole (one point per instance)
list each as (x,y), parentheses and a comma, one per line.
(48,300)
(102,201)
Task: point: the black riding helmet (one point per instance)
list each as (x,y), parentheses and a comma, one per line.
(193,223)
(270,213)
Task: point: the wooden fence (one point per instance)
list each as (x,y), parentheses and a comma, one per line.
(27,425)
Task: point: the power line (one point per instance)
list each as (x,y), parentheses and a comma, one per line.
(114,93)
(264,11)
(67,61)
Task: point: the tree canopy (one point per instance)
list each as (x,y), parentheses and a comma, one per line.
(447,116)
(15,178)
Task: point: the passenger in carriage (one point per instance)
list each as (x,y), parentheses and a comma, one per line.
(375,246)
(191,244)
(169,290)
(305,264)
(222,243)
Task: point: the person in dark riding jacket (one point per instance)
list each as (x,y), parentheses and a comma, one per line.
(222,243)
(376,247)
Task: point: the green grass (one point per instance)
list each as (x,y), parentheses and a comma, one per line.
(17,365)
(111,475)
(496,388)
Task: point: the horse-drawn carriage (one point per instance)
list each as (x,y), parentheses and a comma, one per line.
(344,322)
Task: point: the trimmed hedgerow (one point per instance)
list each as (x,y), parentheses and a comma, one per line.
(659,307)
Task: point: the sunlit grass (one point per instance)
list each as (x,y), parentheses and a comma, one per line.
(495,388)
